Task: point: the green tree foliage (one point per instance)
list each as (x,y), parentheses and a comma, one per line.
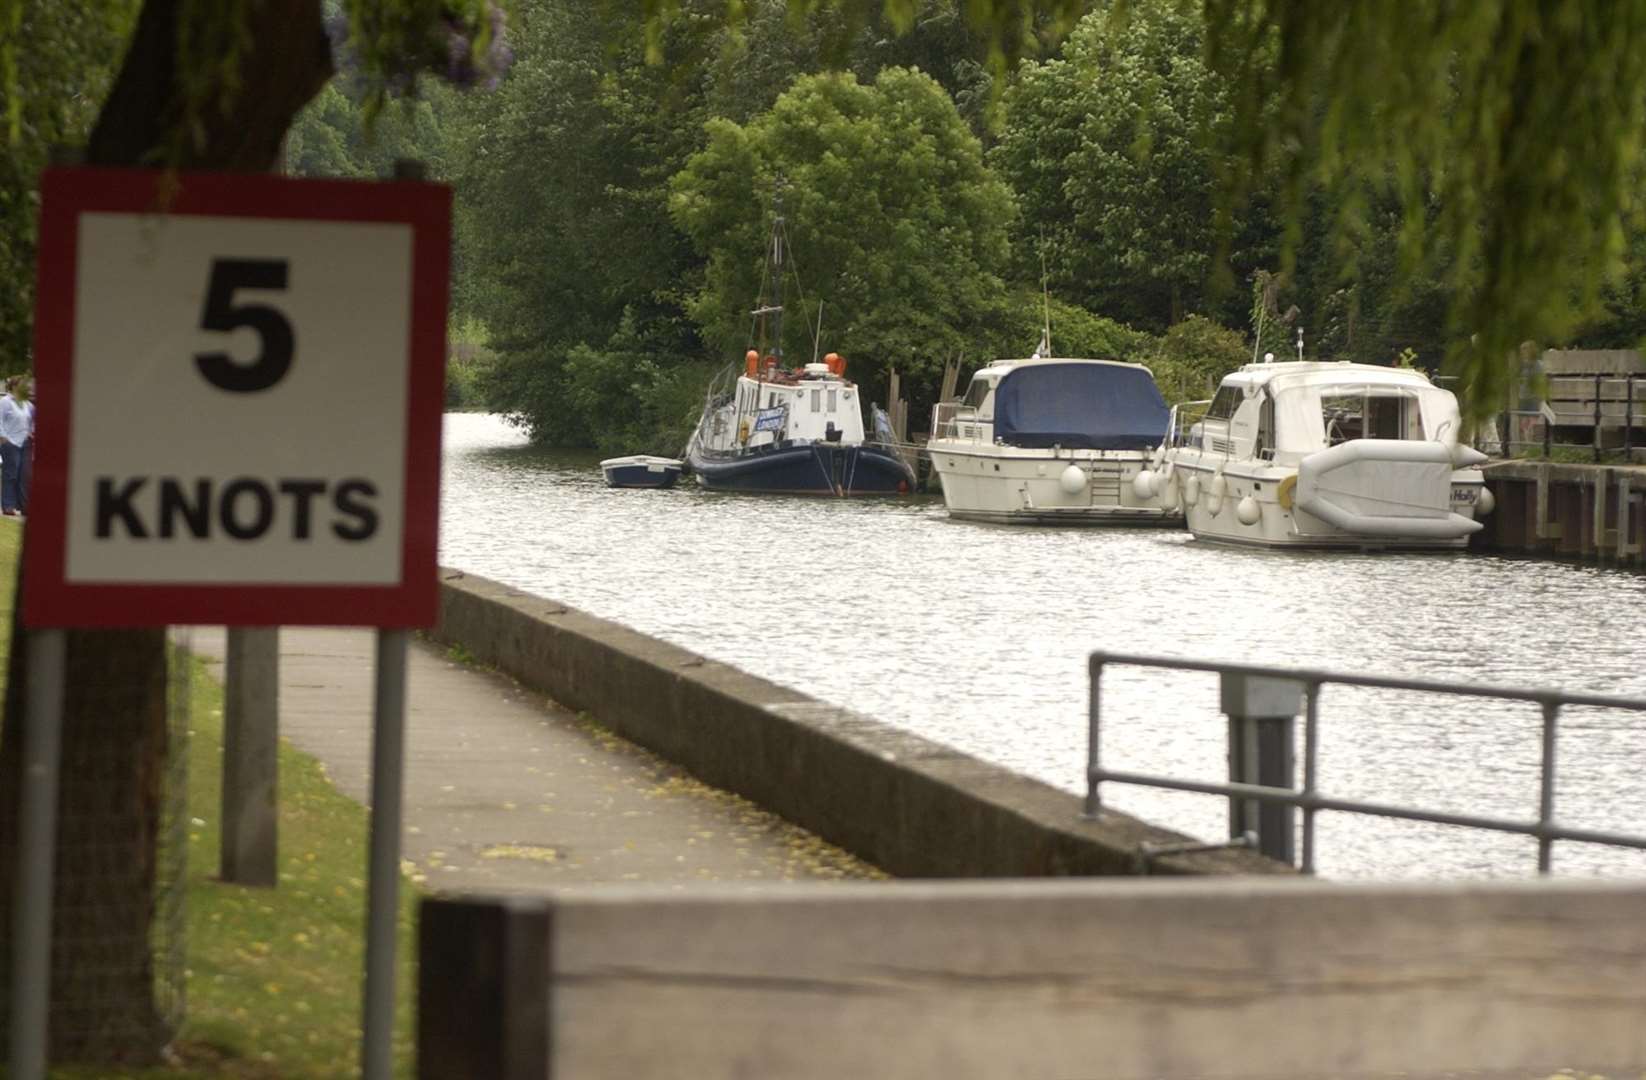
(1191,358)
(333,136)
(56,63)
(563,232)
(1074,331)
(893,219)
(1109,149)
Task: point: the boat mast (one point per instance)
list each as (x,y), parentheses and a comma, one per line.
(776,309)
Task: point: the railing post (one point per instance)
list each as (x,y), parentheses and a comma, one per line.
(1597,417)
(1262,713)
(1094,804)
(1628,419)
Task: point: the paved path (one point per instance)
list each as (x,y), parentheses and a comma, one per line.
(506,791)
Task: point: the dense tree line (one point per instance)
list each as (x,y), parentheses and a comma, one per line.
(615,195)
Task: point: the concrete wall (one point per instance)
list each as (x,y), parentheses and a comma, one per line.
(913,807)
(1118,980)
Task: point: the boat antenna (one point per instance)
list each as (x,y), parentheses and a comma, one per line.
(1300,343)
(1046,304)
(817,335)
(1257,342)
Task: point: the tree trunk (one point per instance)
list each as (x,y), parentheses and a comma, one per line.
(114,714)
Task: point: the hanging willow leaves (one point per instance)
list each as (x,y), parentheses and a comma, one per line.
(1509,128)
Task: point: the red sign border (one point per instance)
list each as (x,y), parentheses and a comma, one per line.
(49,599)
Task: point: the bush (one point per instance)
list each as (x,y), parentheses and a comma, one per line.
(1192,357)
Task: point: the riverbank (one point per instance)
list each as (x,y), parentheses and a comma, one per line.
(908,805)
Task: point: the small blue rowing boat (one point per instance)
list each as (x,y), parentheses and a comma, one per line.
(641,471)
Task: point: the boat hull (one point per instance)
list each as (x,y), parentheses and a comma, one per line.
(1019,486)
(1217,519)
(819,468)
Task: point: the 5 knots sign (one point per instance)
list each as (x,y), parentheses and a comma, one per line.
(239,395)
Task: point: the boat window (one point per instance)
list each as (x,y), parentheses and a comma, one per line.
(1393,418)
(1225,403)
(834,396)
(1343,415)
(976,392)
(817,399)
(771,400)
(1266,429)
(1370,416)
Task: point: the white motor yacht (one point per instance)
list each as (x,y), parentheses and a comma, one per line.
(1052,441)
(1318,454)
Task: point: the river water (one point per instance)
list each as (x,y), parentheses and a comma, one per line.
(977,636)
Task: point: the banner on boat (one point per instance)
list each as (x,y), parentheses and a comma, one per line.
(770,419)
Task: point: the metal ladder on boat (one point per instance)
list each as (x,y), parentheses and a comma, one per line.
(1105,484)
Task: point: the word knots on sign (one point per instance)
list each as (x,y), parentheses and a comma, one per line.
(240,384)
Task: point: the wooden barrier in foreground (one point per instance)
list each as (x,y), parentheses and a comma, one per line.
(1067,979)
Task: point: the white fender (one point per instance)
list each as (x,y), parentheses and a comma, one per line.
(1215,492)
(1143,485)
(1247,511)
(1485,502)
(1191,490)
(1073,480)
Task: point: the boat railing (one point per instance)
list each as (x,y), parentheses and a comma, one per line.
(1182,422)
(1262,703)
(959,421)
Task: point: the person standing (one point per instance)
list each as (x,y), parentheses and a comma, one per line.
(16,446)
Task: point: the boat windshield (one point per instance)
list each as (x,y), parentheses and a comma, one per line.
(976,393)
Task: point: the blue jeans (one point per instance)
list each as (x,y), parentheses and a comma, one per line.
(14,476)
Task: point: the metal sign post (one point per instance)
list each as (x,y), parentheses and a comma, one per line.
(241,383)
(37,846)
(383,881)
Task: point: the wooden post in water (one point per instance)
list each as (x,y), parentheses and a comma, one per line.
(1624,547)
(1598,529)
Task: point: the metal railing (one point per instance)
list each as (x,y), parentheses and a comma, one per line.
(1600,403)
(1311,801)
(959,421)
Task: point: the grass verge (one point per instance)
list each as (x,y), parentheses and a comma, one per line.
(273,976)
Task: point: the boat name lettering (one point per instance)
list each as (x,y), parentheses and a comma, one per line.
(770,419)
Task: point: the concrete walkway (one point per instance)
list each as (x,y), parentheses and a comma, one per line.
(506,791)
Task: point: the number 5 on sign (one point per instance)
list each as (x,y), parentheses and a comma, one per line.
(240,389)
(227,275)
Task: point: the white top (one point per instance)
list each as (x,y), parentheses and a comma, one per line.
(16,420)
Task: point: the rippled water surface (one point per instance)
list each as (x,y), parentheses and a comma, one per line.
(977,636)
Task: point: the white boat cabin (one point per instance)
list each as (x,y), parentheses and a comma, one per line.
(771,405)
(1282,412)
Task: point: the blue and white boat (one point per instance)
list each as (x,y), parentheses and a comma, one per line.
(777,428)
(641,471)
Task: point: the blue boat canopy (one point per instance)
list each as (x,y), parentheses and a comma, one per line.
(1081,406)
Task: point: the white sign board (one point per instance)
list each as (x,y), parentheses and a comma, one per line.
(239,401)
